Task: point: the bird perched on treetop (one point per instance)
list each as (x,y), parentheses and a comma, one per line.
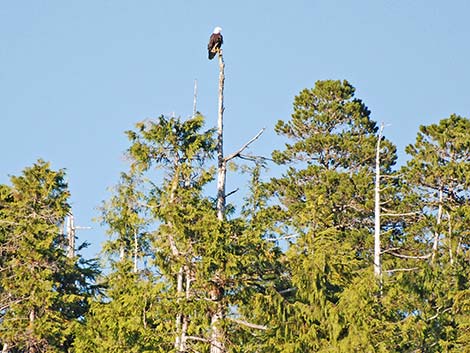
(215,42)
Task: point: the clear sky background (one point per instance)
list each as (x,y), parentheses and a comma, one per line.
(74,75)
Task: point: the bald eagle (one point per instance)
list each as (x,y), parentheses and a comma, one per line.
(215,42)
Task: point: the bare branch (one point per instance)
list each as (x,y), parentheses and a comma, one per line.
(402,270)
(254,158)
(400,214)
(244,147)
(232,192)
(389,250)
(385,203)
(288,290)
(195,338)
(422,257)
(393,176)
(282,238)
(439,312)
(248,324)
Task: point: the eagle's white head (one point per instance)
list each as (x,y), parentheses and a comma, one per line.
(217,30)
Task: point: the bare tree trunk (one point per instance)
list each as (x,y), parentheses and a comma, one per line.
(221,164)
(31,343)
(377,246)
(5,348)
(217,333)
(438,222)
(185,323)
(136,250)
(179,345)
(179,316)
(449,239)
(70,231)
(182,320)
(195,99)
(71,235)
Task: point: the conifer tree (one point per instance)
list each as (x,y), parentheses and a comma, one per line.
(124,317)
(187,246)
(436,184)
(326,198)
(151,218)
(43,292)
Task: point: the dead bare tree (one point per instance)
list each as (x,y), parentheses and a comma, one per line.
(377,246)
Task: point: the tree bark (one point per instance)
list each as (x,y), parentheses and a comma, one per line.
(136,250)
(71,236)
(179,316)
(195,99)
(377,246)
(221,163)
(217,333)
(438,223)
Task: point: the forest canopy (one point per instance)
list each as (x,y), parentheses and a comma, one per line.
(342,251)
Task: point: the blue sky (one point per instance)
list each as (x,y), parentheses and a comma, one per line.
(74,75)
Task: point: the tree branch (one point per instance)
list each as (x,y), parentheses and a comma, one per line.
(389,250)
(400,214)
(422,257)
(195,338)
(282,238)
(402,270)
(254,158)
(288,290)
(244,147)
(248,324)
(438,313)
(232,192)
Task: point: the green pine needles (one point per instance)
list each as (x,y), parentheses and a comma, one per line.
(289,268)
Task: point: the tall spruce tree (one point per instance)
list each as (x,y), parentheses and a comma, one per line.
(125,316)
(191,252)
(326,212)
(152,219)
(43,292)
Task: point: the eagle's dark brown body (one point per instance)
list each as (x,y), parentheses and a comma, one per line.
(215,43)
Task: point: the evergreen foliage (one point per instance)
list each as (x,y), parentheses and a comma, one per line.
(437,177)
(43,292)
(290,269)
(327,205)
